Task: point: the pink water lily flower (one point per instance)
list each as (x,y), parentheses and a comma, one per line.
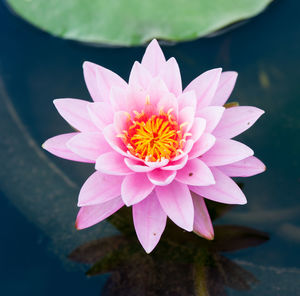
(153,144)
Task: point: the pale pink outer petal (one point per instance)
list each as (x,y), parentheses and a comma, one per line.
(236,120)
(176,201)
(205,143)
(139,76)
(225,87)
(149,221)
(160,177)
(198,128)
(225,190)
(196,173)
(101,113)
(99,188)
(187,99)
(212,115)
(205,87)
(57,146)
(244,168)
(176,165)
(75,112)
(115,143)
(135,188)
(112,163)
(91,215)
(170,74)
(118,99)
(226,151)
(89,145)
(137,166)
(202,222)
(99,81)
(153,58)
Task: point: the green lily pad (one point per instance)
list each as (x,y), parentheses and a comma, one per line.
(134,22)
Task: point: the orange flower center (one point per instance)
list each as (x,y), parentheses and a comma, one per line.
(154,137)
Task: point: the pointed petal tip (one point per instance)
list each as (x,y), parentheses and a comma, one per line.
(46,145)
(242,202)
(153,42)
(76,225)
(188,228)
(209,235)
(86,64)
(56,102)
(233,73)
(148,250)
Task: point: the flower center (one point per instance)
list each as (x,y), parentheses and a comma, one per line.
(154,137)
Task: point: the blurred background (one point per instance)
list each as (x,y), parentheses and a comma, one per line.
(42,48)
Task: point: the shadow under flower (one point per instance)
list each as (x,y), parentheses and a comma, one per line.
(182,264)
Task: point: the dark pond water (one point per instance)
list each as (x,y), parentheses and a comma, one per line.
(38,192)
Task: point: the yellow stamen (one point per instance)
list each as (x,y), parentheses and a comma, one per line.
(154,137)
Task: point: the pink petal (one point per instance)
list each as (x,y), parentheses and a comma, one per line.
(122,121)
(99,188)
(244,168)
(212,115)
(226,151)
(101,114)
(198,128)
(89,145)
(187,99)
(115,143)
(202,222)
(161,178)
(99,81)
(225,87)
(153,58)
(137,166)
(75,113)
(139,76)
(149,221)
(157,164)
(170,74)
(205,142)
(196,173)
(236,120)
(135,188)
(112,163)
(205,87)
(118,99)
(225,190)
(187,114)
(91,215)
(186,150)
(130,99)
(57,146)
(156,89)
(176,165)
(167,102)
(176,201)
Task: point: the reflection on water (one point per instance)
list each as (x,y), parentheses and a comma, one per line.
(182,263)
